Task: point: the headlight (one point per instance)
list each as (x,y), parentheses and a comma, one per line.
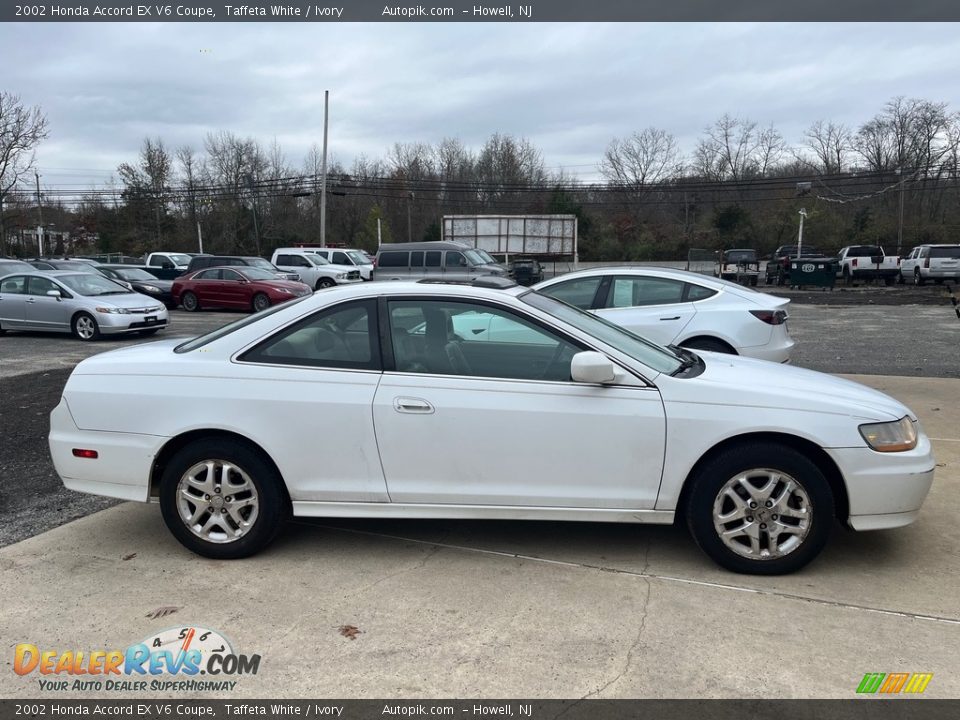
(341,276)
(288,291)
(897,436)
(151,288)
(112,310)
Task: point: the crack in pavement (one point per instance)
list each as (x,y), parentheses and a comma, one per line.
(645,575)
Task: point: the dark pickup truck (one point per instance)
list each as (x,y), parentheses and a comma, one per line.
(778,266)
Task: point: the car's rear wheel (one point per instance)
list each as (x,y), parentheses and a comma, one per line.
(324,283)
(222,499)
(760,509)
(918,278)
(710,345)
(190,302)
(85,327)
(260,302)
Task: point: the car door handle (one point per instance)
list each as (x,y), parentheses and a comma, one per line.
(412,405)
(675,317)
(30,300)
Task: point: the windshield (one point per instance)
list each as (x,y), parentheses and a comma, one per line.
(474,257)
(316,259)
(179,259)
(202,340)
(653,356)
(255,273)
(740,255)
(487,257)
(92,285)
(261,263)
(357,257)
(134,274)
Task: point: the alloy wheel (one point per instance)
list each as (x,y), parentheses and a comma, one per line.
(217,501)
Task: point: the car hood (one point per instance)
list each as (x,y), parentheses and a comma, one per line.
(735,380)
(128,300)
(339,268)
(162,284)
(289,284)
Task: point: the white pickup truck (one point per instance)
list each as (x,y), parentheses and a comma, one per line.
(166,265)
(867,262)
(314,270)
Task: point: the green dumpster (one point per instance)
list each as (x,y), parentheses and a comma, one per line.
(813,272)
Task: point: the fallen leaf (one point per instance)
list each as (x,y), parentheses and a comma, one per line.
(162,612)
(131,556)
(350,631)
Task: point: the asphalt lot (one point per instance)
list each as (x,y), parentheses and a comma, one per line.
(502,609)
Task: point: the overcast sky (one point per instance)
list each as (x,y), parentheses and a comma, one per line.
(569,88)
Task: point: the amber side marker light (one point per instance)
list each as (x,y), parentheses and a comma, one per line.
(89,454)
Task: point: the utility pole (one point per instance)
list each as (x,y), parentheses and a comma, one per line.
(803,214)
(323,172)
(40,213)
(199,237)
(409,225)
(256,224)
(900,221)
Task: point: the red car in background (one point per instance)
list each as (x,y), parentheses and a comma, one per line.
(248,288)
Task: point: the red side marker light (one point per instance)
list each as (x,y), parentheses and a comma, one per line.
(89,454)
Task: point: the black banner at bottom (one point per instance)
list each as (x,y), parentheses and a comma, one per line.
(865,708)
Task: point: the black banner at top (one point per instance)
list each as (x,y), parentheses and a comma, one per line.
(482,11)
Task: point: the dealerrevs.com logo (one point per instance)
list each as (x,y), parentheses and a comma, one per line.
(177,659)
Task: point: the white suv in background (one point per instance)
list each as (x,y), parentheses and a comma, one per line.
(345,256)
(314,270)
(931,262)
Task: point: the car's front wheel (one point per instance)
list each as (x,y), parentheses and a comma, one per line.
(222,499)
(760,509)
(324,283)
(85,327)
(260,302)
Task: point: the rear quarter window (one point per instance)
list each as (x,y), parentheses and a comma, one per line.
(393,259)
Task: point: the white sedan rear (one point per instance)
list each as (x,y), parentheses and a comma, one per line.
(675,307)
(412,400)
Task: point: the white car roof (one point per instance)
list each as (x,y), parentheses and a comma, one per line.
(649,270)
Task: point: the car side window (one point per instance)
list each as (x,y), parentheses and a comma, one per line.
(698,292)
(393,259)
(442,337)
(231,275)
(579,292)
(639,291)
(41,286)
(416,258)
(344,336)
(432,258)
(15,285)
(340,258)
(208,275)
(455,259)
(299,261)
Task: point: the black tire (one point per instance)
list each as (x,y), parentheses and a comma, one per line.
(148,333)
(260,302)
(918,278)
(938,281)
(847,277)
(710,345)
(273,507)
(85,327)
(888,280)
(324,283)
(190,302)
(900,279)
(710,479)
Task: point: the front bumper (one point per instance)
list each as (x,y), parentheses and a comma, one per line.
(112,324)
(885,490)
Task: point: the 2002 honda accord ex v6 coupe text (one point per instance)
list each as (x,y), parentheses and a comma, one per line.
(372,400)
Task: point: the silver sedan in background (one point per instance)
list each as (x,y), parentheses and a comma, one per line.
(85,304)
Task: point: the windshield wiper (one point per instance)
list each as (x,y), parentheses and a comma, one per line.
(687,359)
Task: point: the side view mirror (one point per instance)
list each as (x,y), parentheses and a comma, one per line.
(592,367)
(54,293)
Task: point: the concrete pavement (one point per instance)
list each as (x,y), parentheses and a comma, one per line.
(497,609)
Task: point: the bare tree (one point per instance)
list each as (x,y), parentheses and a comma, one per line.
(21,130)
(646,157)
(733,149)
(830,144)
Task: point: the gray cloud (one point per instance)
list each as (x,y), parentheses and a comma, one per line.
(569,88)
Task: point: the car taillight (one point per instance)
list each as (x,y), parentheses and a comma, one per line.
(854,263)
(770,317)
(926,263)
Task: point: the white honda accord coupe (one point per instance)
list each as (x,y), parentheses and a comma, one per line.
(675,307)
(396,386)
